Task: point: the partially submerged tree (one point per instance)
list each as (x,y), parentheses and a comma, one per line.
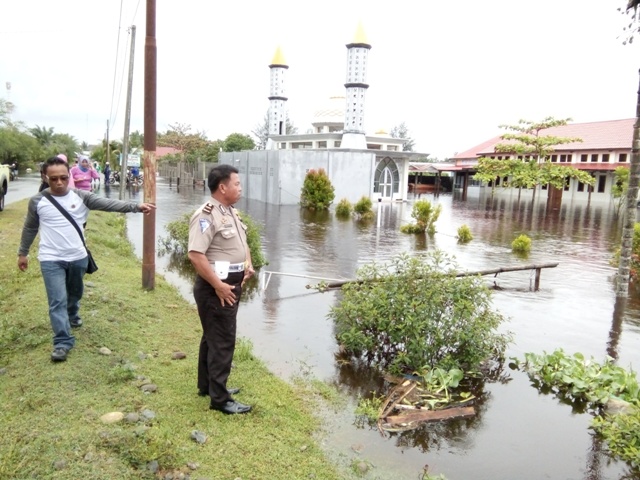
(317,191)
(414,314)
(626,248)
(529,151)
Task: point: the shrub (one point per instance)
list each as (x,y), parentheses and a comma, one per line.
(578,380)
(522,244)
(177,239)
(254,242)
(415,314)
(363,208)
(464,234)
(317,191)
(344,208)
(425,215)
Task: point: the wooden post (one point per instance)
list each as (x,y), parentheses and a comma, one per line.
(536,284)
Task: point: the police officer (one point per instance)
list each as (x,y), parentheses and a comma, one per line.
(216,234)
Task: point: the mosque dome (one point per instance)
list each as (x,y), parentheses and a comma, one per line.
(331,113)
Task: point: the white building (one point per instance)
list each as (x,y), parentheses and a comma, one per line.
(357,164)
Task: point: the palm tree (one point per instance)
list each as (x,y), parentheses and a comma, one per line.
(42,134)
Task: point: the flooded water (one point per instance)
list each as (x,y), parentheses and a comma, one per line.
(518,433)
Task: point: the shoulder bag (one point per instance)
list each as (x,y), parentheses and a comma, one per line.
(91,266)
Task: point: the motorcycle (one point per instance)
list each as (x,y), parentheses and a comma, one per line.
(115,178)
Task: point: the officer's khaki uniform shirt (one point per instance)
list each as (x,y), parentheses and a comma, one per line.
(217,232)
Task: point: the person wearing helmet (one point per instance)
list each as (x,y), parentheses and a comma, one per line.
(107,173)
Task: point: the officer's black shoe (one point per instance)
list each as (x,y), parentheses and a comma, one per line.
(231,407)
(232,391)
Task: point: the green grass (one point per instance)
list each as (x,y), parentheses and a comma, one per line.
(50,413)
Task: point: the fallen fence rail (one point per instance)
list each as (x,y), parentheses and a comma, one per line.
(493,271)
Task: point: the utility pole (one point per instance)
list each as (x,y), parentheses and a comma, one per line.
(127,113)
(150,132)
(107,146)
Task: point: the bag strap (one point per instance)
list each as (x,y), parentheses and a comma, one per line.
(66,214)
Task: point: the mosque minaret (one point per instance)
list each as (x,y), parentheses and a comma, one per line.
(277,98)
(356,89)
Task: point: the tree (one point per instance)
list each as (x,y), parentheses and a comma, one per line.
(237,142)
(179,136)
(401,131)
(261,131)
(626,248)
(533,150)
(136,139)
(42,134)
(317,191)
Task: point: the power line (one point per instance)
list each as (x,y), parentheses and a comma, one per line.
(115,68)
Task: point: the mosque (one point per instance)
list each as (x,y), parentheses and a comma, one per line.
(357,164)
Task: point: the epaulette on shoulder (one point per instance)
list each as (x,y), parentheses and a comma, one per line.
(208,208)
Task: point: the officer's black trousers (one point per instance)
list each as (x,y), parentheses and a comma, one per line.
(218,337)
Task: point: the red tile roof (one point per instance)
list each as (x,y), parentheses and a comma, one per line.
(607,135)
(162,151)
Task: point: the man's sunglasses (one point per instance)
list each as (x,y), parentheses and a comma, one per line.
(62,178)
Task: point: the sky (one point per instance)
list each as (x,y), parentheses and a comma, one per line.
(453,72)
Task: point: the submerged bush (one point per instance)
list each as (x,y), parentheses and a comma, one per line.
(415,314)
(344,208)
(363,208)
(464,234)
(177,239)
(317,192)
(576,379)
(425,215)
(522,244)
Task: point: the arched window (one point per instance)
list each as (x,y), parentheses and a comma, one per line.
(386,180)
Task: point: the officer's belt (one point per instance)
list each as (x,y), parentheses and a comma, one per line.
(234,267)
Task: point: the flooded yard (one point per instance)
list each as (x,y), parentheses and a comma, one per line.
(517,433)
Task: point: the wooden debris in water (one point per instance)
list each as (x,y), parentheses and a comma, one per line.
(404,408)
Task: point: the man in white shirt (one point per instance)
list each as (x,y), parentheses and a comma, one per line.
(62,254)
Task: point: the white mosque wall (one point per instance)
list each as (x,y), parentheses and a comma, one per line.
(277,176)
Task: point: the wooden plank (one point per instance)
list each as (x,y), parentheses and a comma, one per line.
(425,415)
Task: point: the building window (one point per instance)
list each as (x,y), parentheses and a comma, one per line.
(322,144)
(602,182)
(584,157)
(594,157)
(392,148)
(580,187)
(567,184)
(337,143)
(565,158)
(605,157)
(386,180)
(622,158)
(554,158)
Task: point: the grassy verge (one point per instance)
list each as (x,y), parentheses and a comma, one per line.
(50,413)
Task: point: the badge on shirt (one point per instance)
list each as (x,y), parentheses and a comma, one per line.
(204,224)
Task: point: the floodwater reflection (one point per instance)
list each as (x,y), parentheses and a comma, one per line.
(518,432)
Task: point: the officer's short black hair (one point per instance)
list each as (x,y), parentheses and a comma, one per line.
(53,161)
(220,174)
